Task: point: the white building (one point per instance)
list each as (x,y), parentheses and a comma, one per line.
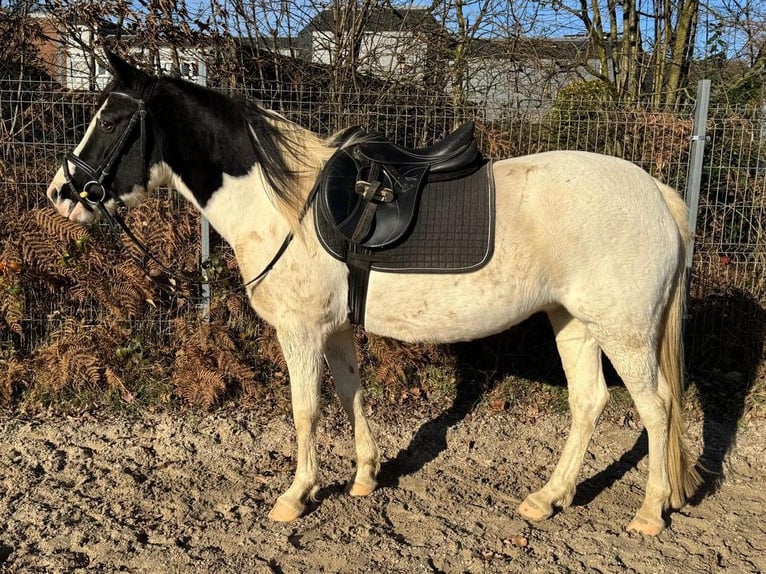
(69,56)
(392,44)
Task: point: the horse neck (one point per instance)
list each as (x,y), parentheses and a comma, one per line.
(224,180)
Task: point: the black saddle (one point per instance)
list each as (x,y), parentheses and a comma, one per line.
(370,187)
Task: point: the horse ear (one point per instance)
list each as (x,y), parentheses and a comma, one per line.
(126,74)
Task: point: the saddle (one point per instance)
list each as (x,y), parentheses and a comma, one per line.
(396,209)
(370,188)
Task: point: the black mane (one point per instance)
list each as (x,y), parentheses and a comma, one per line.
(276,150)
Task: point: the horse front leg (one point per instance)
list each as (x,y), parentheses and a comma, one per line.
(341,358)
(304,363)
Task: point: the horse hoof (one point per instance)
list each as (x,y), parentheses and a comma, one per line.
(646,526)
(361,489)
(531,510)
(285,512)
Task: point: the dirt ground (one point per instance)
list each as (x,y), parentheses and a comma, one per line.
(190,493)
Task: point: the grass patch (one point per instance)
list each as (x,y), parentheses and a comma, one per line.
(439,382)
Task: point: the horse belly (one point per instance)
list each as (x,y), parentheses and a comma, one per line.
(448,308)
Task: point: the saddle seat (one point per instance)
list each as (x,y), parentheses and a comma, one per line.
(369,189)
(452,153)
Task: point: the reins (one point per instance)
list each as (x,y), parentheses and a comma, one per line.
(116,220)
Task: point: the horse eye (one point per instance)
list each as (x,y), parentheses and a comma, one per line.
(105,125)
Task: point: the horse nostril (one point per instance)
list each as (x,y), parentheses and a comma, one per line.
(53,193)
(60,192)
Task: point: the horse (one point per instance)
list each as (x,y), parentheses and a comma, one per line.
(593,241)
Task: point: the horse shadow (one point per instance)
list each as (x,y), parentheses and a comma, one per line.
(725,334)
(724,345)
(527,350)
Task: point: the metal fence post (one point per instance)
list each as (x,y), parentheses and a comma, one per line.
(696,160)
(204,305)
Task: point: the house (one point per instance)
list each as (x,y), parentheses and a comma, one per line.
(71,55)
(409,46)
(406,46)
(524,73)
(384,43)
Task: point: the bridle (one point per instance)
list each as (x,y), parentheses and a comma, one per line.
(96,192)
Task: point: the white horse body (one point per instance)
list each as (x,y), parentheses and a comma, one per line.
(544,257)
(594,241)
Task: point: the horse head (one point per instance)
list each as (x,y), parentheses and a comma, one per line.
(111,166)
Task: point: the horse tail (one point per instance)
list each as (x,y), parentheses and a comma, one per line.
(684,477)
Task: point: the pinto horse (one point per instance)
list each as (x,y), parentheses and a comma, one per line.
(593,241)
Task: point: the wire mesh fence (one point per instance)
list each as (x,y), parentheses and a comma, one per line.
(732,211)
(40,123)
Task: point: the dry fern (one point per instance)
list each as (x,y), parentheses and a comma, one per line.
(207,362)
(115,383)
(200,387)
(13,311)
(84,367)
(40,251)
(392,363)
(14,373)
(58,227)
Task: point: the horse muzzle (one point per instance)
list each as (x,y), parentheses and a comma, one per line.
(61,195)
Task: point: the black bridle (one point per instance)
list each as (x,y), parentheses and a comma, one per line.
(96,191)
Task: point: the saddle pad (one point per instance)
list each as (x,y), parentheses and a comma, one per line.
(454,230)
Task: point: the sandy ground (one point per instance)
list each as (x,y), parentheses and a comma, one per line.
(190,493)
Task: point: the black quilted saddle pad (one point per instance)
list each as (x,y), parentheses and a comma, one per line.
(454,230)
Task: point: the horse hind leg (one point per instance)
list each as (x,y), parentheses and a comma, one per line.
(637,364)
(588,395)
(640,373)
(341,358)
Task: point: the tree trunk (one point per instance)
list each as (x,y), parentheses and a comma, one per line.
(678,65)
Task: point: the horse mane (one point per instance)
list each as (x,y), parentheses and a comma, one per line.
(345,137)
(291,158)
(282,148)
